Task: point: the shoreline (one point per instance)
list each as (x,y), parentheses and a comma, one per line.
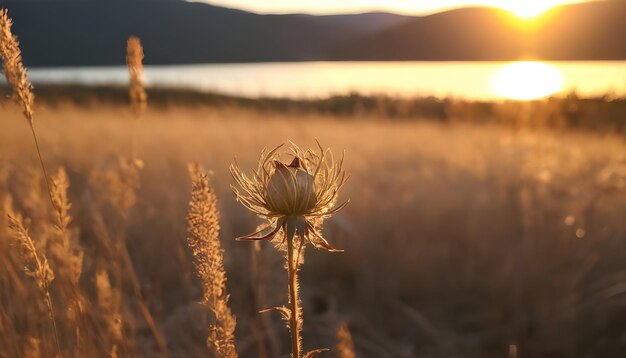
(602,114)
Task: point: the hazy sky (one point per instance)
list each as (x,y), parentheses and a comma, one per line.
(418,7)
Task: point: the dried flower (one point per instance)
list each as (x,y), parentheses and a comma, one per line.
(292,196)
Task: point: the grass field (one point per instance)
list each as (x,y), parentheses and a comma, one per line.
(461,239)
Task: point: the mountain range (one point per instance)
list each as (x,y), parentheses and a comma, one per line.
(93,33)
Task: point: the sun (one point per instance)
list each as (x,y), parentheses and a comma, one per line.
(528,9)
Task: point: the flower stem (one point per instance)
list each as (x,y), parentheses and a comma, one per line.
(292,268)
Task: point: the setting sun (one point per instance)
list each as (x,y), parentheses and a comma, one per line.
(530,8)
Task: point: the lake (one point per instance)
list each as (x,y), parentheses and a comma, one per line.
(469,80)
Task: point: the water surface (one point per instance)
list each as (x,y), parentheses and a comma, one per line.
(470,80)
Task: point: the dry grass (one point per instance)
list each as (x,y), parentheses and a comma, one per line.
(460,239)
(16,76)
(134,61)
(13,68)
(36,266)
(204,241)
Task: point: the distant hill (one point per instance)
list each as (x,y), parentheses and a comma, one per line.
(585,31)
(367,23)
(591,31)
(93,32)
(464,34)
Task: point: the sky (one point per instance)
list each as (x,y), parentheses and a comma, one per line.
(524,8)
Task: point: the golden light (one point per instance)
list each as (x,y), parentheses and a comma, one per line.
(527,80)
(530,8)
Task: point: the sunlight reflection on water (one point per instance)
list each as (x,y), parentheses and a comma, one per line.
(527,80)
(469,80)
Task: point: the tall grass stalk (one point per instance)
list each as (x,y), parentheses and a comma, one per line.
(68,252)
(16,76)
(203,228)
(137,91)
(130,173)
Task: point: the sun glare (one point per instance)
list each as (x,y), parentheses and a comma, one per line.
(528,9)
(527,81)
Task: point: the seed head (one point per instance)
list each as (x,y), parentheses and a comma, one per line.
(292,197)
(13,68)
(134,61)
(291,189)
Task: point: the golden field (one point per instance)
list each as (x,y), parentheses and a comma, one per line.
(461,239)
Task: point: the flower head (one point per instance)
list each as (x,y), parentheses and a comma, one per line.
(293,197)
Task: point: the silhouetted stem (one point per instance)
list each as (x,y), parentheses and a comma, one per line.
(292,269)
